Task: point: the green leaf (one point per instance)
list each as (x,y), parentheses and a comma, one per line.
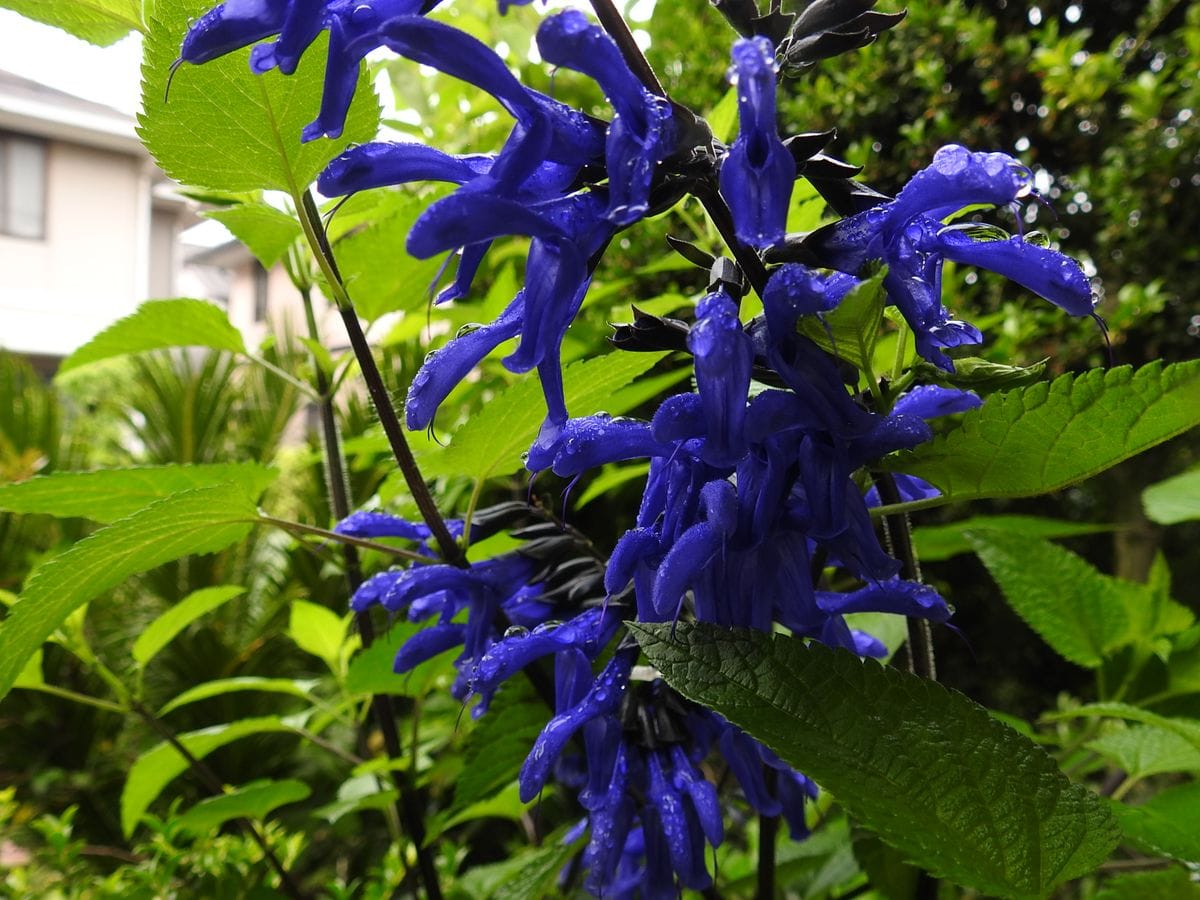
(930,772)
(157,324)
(357,793)
(1188,729)
(1147,750)
(372,670)
(31,676)
(610,478)
(529,875)
(1168,824)
(163,630)
(935,543)
(193,522)
(106,495)
(887,872)
(224,127)
(295,687)
(1048,436)
(157,767)
(1174,500)
(499,744)
(982,376)
(266,231)
(100,22)
(1170,884)
(404,282)
(493,440)
(1081,613)
(723,119)
(851,330)
(318,631)
(255,800)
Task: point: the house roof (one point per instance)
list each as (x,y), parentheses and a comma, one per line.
(34,108)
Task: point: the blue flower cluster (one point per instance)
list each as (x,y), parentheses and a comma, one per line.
(755,492)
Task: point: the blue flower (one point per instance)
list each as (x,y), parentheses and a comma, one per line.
(907,235)
(640,135)
(758,173)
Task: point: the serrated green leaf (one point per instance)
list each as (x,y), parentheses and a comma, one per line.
(224,127)
(1174,500)
(493,441)
(106,495)
(499,744)
(157,767)
(850,331)
(163,630)
(935,543)
(981,375)
(1188,729)
(1048,436)
(529,874)
(404,282)
(266,231)
(1170,884)
(294,687)
(1147,750)
(930,772)
(255,800)
(158,324)
(99,22)
(1168,824)
(1080,612)
(193,522)
(318,631)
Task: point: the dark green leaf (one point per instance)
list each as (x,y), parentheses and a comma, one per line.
(890,876)
(499,744)
(529,875)
(926,769)
(1168,824)
(158,324)
(266,231)
(106,495)
(372,672)
(100,22)
(255,800)
(194,522)
(1048,436)
(226,128)
(162,630)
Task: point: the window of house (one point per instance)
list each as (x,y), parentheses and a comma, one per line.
(22,186)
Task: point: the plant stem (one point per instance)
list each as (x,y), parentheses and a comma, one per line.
(920,635)
(407,804)
(287,883)
(75,697)
(613,22)
(310,220)
(344,539)
(768,829)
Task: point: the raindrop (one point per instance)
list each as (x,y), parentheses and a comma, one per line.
(516,631)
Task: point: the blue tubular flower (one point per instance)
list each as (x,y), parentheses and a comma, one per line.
(640,135)
(304,21)
(758,173)
(908,236)
(602,699)
(724,356)
(231,26)
(905,598)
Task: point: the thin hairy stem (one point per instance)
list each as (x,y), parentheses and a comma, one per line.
(408,806)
